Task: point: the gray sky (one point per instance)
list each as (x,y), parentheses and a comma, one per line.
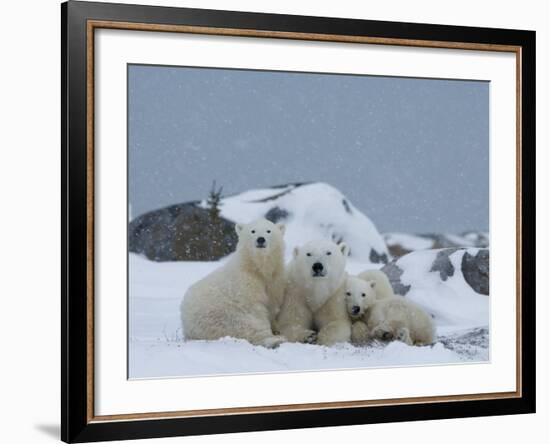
(412,154)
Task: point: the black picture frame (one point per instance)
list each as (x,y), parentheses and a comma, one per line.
(76,325)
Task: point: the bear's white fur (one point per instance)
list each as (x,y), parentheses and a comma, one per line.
(382,287)
(360,295)
(314,295)
(401,319)
(242,298)
(391,316)
(386,318)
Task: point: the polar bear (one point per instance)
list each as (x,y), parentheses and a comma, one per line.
(394,317)
(382,284)
(243,297)
(401,319)
(360,295)
(314,295)
(388,318)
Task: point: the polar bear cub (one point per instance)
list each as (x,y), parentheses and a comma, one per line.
(360,296)
(314,296)
(398,318)
(381,285)
(243,297)
(381,315)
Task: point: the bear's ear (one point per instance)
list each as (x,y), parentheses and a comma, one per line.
(282,228)
(296,251)
(239,228)
(344,249)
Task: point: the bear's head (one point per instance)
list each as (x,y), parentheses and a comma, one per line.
(360,295)
(261,238)
(321,259)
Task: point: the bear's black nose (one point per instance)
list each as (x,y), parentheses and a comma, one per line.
(355,310)
(317,267)
(260,240)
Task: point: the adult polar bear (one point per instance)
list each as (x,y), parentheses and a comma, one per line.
(314,297)
(242,298)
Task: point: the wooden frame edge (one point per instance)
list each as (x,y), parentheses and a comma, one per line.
(90,211)
(336,38)
(519,225)
(285,408)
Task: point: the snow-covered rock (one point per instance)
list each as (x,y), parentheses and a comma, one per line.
(181,232)
(400,244)
(309,211)
(475,269)
(451,284)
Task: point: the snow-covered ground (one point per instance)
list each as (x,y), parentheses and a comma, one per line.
(157,348)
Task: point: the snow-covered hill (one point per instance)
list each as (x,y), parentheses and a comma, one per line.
(310,211)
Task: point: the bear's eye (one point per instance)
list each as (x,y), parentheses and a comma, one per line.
(308,254)
(363,294)
(348,293)
(253,231)
(329,253)
(268,231)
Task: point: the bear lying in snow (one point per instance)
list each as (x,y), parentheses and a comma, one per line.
(382,285)
(379,314)
(242,298)
(314,296)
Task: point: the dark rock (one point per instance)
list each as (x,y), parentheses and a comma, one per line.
(183,232)
(346,206)
(443,264)
(397,250)
(276,214)
(290,184)
(377,258)
(337,238)
(287,189)
(476,270)
(394,273)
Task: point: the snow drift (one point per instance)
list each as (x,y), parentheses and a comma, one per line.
(157,348)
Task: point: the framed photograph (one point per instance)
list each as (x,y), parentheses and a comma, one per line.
(275,221)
